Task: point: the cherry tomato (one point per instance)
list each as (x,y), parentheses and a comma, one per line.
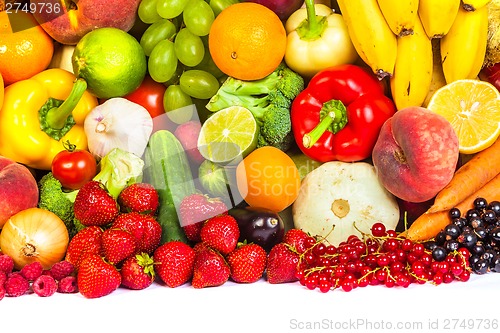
(150,96)
(74,167)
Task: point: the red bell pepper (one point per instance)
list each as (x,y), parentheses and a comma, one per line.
(340,113)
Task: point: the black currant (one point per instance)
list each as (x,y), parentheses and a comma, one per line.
(489,216)
(481,266)
(481,232)
(455,213)
(495,206)
(440,238)
(451,245)
(460,222)
(477,249)
(495,263)
(471,213)
(452,231)
(480,203)
(476,222)
(439,253)
(495,234)
(467,239)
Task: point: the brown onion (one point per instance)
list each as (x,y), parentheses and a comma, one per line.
(34,234)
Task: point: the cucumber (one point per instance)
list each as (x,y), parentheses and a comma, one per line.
(166,167)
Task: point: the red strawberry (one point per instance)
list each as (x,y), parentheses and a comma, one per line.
(174,263)
(86,241)
(138,272)
(210,269)
(195,209)
(97,278)
(94,205)
(221,233)
(282,264)
(145,228)
(296,239)
(139,197)
(247,263)
(118,245)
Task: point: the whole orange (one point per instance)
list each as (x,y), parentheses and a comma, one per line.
(268,178)
(247,41)
(1,90)
(25,48)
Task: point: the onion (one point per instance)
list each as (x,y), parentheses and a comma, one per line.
(118,123)
(34,234)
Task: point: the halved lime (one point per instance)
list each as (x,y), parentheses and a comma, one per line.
(228,135)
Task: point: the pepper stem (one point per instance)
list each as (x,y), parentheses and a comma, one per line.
(312,27)
(57,116)
(333,118)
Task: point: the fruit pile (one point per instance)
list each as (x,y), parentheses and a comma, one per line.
(192,142)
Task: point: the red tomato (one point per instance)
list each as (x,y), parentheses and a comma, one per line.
(150,96)
(74,168)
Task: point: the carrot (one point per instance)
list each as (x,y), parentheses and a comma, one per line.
(469,178)
(428,225)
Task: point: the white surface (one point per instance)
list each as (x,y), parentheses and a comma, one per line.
(266,308)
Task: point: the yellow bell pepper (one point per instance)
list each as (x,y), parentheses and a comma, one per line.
(39,114)
(317,38)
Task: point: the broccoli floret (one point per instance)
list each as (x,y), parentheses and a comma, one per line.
(54,199)
(269,99)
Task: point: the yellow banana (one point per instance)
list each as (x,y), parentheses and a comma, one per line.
(413,71)
(437,16)
(400,15)
(370,34)
(438,79)
(464,46)
(472,5)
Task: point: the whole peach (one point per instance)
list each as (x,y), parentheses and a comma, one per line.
(416,154)
(67,21)
(18,189)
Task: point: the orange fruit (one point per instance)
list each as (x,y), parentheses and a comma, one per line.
(268,178)
(1,90)
(25,48)
(247,41)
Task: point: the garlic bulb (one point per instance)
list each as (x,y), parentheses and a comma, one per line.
(118,123)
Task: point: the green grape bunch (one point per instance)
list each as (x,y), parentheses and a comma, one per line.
(176,44)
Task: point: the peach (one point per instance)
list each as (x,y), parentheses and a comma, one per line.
(416,154)
(67,21)
(18,189)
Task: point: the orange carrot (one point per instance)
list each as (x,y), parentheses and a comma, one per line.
(428,225)
(469,178)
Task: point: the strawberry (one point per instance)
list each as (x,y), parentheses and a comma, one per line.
(86,241)
(94,205)
(118,245)
(195,209)
(296,238)
(174,263)
(210,269)
(139,197)
(96,277)
(145,228)
(282,264)
(138,272)
(247,263)
(221,233)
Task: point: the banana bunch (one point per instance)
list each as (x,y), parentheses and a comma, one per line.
(394,38)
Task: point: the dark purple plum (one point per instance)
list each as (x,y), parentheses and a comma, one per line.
(259,226)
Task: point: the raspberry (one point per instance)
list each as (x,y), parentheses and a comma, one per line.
(2,292)
(3,277)
(32,270)
(44,286)
(67,285)
(16,285)
(62,269)
(6,264)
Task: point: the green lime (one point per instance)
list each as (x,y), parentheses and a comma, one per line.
(111,61)
(228,135)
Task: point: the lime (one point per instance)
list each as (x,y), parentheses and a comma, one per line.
(111,61)
(228,135)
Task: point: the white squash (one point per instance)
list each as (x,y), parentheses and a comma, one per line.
(341,194)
